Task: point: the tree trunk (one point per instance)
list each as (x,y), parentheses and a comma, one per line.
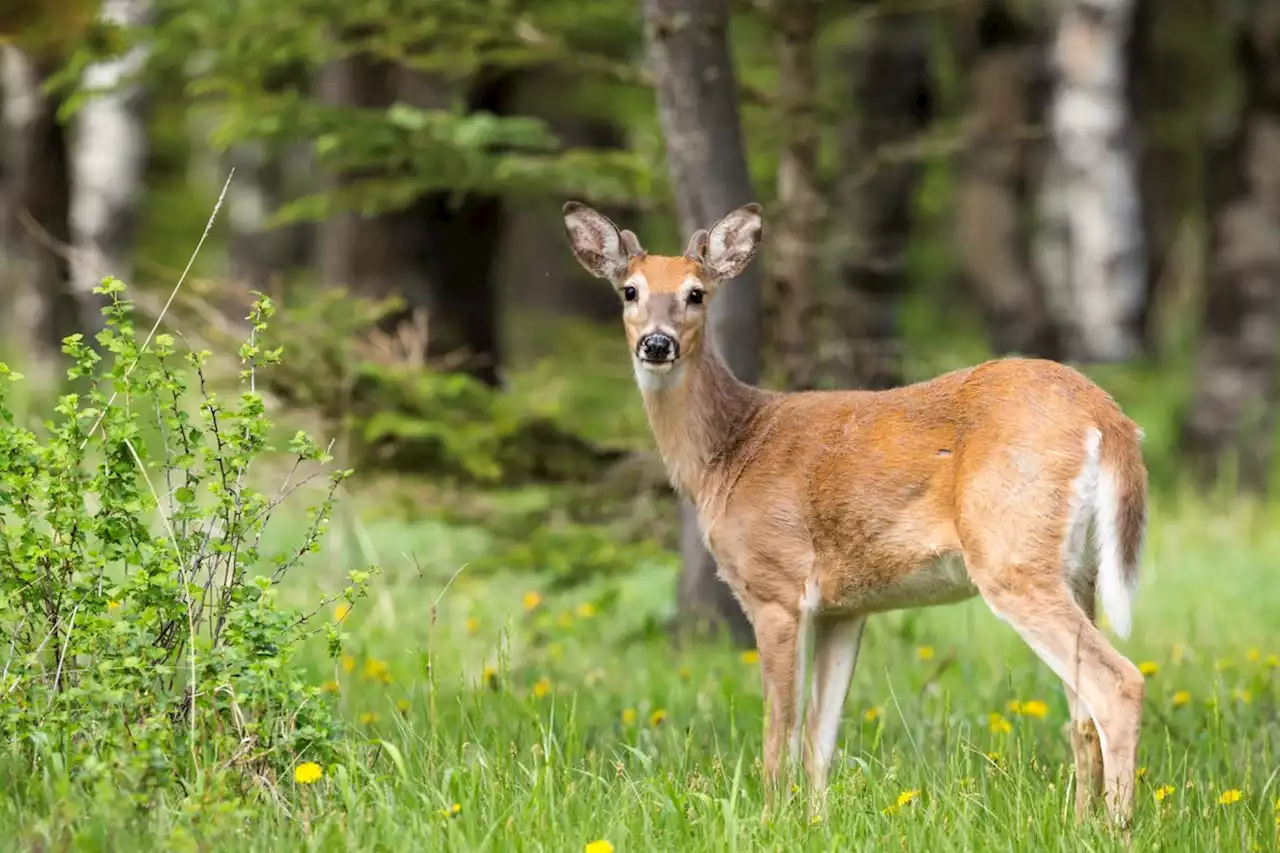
(798,231)
(359,252)
(877,194)
(1170,86)
(1089,252)
(108,155)
(41,306)
(688,53)
(1233,414)
(997,173)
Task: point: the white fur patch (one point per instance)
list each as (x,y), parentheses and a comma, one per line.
(1081,509)
(833,665)
(1114,588)
(809,604)
(655,378)
(943,580)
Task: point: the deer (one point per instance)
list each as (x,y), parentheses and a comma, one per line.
(1019,480)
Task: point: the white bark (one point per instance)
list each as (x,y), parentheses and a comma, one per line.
(108,153)
(22,104)
(1090,250)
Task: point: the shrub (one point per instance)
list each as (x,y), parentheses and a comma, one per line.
(141,637)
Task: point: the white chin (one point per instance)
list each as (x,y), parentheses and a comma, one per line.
(655,375)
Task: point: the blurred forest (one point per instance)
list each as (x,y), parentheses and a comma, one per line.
(1096,181)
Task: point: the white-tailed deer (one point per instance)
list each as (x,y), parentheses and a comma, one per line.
(1018,480)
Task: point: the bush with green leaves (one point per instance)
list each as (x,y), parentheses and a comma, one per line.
(142,641)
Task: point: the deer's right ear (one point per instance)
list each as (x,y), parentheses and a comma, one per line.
(596,241)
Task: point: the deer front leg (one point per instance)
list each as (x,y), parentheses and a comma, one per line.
(778,638)
(835,655)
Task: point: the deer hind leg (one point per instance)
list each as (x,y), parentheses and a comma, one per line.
(835,656)
(1039,606)
(1086,744)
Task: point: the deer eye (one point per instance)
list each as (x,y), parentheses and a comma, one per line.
(695,296)
(629,293)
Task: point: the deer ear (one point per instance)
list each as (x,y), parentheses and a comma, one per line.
(697,248)
(733,241)
(596,241)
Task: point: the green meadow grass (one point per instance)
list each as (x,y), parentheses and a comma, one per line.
(495,712)
(540,726)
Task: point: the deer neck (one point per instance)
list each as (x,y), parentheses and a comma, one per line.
(697,413)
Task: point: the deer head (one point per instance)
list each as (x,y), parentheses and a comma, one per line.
(664,299)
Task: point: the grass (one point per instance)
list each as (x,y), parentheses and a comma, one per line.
(507,714)
(536,728)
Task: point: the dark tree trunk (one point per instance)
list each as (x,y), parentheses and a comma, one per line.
(1234,408)
(359,252)
(42,306)
(688,54)
(997,177)
(452,243)
(1169,86)
(895,102)
(797,234)
(438,254)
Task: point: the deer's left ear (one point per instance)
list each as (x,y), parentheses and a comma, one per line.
(597,244)
(733,241)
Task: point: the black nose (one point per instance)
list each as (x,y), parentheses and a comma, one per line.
(658,347)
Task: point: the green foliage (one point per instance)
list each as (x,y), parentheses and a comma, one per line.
(392,147)
(404,415)
(135,657)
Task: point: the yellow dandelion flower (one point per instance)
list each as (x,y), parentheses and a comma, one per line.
(871,714)
(1253,655)
(1271,662)
(993,757)
(368,718)
(1181,697)
(684,673)
(600,846)
(750,656)
(1164,791)
(348,663)
(585,610)
(489,674)
(924,653)
(998,724)
(340,612)
(532,600)
(1148,668)
(112,604)
(1013,706)
(1035,708)
(907,798)
(628,716)
(307,772)
(1242,696)
(1229,796)
(1141,773)
(473,624)
(657,717)
(330,686)
(453,811)
(1224,664)
(542,687)
(402,705)
(376,670)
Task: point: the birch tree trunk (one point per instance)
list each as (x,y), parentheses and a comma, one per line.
(687,49)
(1090,252)
(998,173)
(1236,402)
(797,232)
(108,143)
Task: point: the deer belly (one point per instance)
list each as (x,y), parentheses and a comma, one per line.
(943,580)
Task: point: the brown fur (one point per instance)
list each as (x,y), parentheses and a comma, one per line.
(837,501)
